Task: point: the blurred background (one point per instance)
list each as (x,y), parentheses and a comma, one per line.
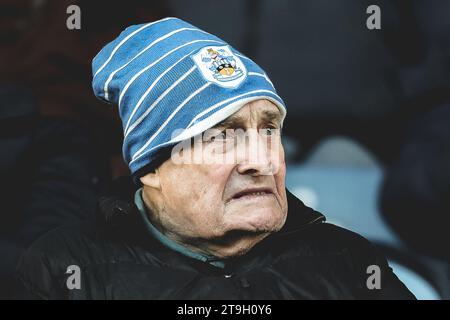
(367,136)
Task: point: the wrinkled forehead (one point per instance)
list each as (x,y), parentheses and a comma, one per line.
(260,111)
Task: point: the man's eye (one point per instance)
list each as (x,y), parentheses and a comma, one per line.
(219,137)
(269,131)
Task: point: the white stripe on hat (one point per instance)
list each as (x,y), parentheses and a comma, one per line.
(126,131)
(262,75)
(168,35)
(150,88)
(125,88)
(165,93)
(192,95)
(243,57)
(217,105)
(125,40)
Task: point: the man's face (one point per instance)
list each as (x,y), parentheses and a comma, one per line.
(225,208)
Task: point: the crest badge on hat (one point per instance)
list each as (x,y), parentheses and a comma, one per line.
(220,65)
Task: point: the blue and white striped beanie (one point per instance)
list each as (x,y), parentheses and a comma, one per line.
(169,75)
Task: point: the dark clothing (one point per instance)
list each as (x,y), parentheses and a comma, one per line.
(46,178)
(119,259)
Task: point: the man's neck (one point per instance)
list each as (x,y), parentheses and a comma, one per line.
(167,241)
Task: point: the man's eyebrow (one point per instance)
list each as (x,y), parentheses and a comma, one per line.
(236,121)
(231,122)
(270,116)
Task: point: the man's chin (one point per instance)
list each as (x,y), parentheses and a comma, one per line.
(244,235)
(236,243)
(257,220)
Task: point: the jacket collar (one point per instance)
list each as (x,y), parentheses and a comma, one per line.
(299,216)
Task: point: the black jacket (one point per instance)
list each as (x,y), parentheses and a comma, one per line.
(118,259)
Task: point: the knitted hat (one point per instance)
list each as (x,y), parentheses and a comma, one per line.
(170,75)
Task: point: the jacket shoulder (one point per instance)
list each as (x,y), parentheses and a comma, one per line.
(43,268)
(327,238)
(342,237)
(359,257)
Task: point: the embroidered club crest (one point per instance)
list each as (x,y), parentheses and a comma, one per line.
(221,66)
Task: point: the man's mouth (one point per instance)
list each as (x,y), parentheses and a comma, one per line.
(252,193)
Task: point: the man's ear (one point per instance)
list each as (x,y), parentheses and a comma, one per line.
(151,180)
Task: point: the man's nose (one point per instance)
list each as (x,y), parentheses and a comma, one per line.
(255,157)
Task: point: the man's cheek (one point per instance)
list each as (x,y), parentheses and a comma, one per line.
(280,179)
(278,164)
(278,167)
(216,175)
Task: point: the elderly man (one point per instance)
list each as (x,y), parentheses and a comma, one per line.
(205,213)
